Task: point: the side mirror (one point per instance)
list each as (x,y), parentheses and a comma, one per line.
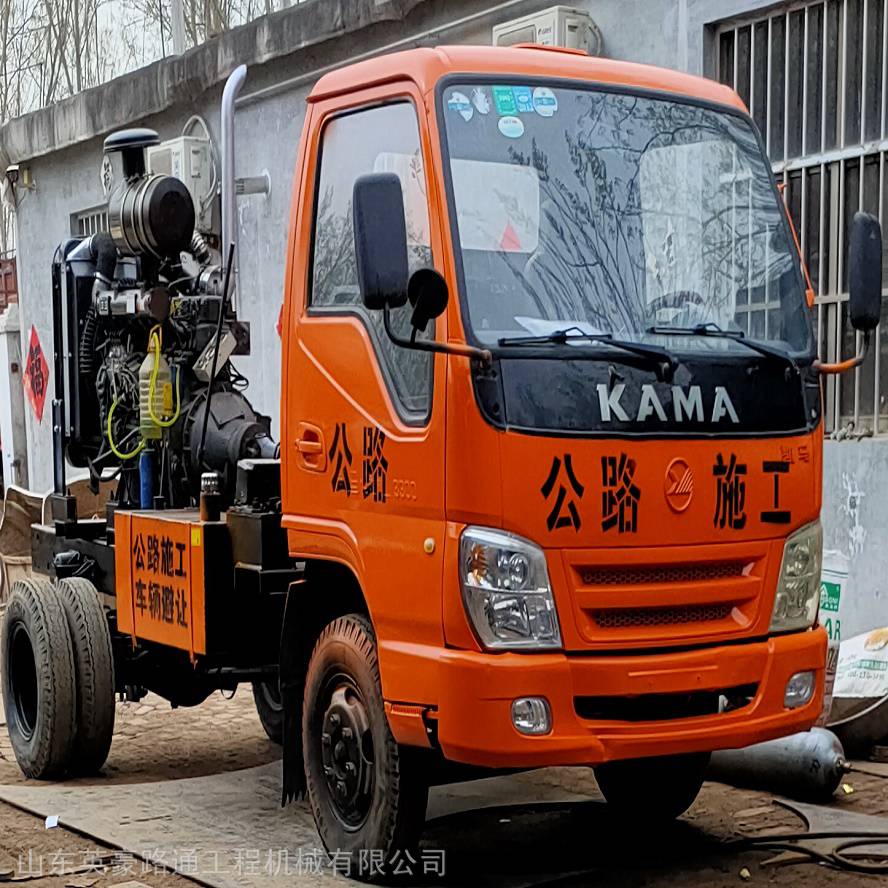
(380,240)
(865,272)
(427,292)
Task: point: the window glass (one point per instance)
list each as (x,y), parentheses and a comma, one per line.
(376,140)
(611,213)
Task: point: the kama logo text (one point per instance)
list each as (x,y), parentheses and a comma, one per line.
(687,405)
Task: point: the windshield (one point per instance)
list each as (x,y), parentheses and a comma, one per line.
(605,212)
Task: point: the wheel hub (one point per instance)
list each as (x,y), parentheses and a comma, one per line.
(347,754)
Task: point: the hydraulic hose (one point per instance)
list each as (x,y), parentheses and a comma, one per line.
(110,436)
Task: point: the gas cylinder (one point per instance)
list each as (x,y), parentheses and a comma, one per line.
(807,766)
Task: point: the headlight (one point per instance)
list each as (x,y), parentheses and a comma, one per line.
(506,591)
(798,588)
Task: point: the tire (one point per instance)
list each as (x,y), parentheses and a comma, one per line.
(93,673)
(39,689)
(380,806)
(652,789)
(267,696)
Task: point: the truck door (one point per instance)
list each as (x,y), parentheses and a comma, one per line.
(363,418)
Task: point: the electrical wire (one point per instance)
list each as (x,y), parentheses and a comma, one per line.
(214,181)
(95,470)
(838,856)
(238,380)
(120,455)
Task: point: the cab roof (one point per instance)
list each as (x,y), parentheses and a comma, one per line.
(427,66)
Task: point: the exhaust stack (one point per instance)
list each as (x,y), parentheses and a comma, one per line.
(229,198)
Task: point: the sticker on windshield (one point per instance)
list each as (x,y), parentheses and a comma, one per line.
(523,99)
(480,100)
(459,103)
(511,127)
(504,100)
(545,102)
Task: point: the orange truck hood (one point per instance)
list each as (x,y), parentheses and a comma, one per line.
(660,542)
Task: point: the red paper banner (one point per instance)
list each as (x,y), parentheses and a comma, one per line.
(36,378)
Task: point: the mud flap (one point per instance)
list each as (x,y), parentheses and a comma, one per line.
(294,654)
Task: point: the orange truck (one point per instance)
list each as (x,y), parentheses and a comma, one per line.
(549,482)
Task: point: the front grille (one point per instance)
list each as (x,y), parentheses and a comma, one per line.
(665,707)
(629,618)
(663,574)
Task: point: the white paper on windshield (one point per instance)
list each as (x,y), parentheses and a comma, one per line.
(497,206)
(544,327)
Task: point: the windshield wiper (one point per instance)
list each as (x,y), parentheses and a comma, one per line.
(665,361)
(712,330)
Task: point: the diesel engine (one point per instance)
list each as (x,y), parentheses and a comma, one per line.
(151,399)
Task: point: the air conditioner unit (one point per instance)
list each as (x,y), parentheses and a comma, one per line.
(556,26)
(188,158)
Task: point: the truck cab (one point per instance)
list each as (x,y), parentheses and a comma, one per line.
(553,413)
(581,494)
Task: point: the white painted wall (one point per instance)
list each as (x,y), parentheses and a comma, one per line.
(13,446)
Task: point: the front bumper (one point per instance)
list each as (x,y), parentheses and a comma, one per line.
(476,691)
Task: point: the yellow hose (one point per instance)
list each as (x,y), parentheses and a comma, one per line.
(154,337)
(114,450)
(162,423)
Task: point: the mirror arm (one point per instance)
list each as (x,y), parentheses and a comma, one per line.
(446,348)
(809,287)
(844,366)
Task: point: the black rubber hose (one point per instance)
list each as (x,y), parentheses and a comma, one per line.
(104,252)
(88,342)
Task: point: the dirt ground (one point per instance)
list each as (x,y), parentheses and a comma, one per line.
(153,742)
(30,854)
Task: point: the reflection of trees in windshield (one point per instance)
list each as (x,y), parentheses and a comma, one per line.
(335,285)
(651,212)
(334,262)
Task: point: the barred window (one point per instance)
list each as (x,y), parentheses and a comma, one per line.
(89,221)
(814,78)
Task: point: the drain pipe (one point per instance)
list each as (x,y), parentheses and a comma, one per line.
(229,199)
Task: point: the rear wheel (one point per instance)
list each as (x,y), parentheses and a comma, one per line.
(270,706)
(368,795)
(94,672)
(39,689)
(658,789)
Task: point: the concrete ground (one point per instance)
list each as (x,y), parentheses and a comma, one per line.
(198,789)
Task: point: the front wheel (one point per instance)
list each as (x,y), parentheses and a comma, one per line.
(368,795)
(652,789)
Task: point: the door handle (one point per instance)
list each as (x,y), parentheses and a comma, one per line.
(310,446)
